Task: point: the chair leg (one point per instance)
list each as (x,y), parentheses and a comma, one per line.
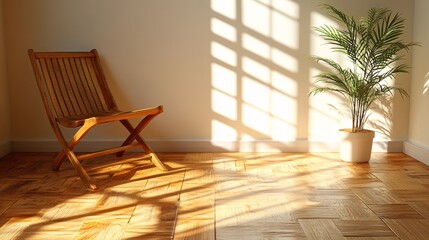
(67,151)
(130,129)
(80,170)
(134,135)
(58,161)
(134,132)
(158,163)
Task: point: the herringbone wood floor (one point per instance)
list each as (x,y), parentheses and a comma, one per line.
(217,196)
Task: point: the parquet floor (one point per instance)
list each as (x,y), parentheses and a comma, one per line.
(223,196)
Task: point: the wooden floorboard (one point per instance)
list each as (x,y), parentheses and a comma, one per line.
(223,196)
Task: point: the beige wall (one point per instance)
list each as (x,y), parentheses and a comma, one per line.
(418,143)
(4,94)
(224,70)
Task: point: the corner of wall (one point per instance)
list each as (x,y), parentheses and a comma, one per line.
(416,151)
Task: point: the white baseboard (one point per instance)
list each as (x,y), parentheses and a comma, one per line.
(5,149)
(208,146)
(417,152)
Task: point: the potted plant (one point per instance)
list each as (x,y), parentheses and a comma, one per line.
(372,45)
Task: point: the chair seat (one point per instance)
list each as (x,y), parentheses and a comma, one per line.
(107,116)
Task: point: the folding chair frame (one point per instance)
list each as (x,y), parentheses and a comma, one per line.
(75,94)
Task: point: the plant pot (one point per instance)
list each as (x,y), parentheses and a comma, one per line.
(356,147)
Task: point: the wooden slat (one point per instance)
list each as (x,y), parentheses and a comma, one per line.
(98,92)
(74,104)
(364,228)
(93,93)
(98,71)
(377,196)
(92,105)
(398,181)
(50,86)
(276,230)
(74,89)
(421,207)
(57,88)
(409,229)
(351,209)
(150,231)
(84,102)
(320,229)
(107,151)
(62,90)
(63,54)
(101,230)
(194,230)
(403,211)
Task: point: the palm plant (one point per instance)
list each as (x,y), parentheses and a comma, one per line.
(372,45)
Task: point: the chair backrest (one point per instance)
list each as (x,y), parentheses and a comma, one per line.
(71,83)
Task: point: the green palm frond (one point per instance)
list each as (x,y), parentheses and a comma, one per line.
(373,45)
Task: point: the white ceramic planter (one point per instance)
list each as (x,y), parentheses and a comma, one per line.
(356,147)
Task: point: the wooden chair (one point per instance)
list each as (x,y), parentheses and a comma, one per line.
(75,94)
